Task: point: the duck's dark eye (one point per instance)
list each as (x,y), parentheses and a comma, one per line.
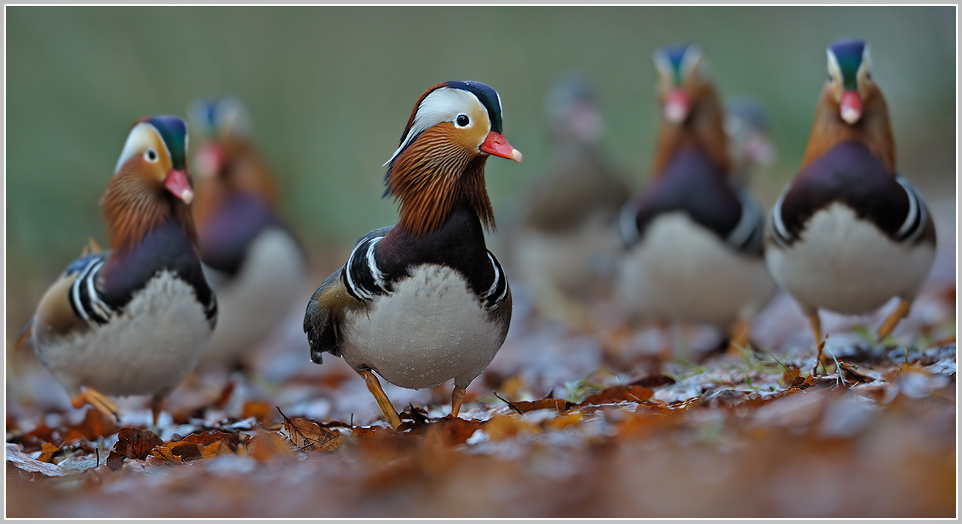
(151,155)
(462,120)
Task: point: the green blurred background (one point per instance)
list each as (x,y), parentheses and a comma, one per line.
(330,89)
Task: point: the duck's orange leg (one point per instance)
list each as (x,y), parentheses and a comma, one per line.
(97,400)
(457,397)
(385,403)
(888,326)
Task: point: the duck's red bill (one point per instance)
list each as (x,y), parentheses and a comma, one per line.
(496,145)
(177,183)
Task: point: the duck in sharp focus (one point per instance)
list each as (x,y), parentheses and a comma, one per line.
(563,238)
(253,261)
(424,301)
(134,319)
(693,239)
(850,233)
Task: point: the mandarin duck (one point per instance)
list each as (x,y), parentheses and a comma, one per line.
(424,301)
(693,239)
(254,263)
(134,319)
(849,233)
(561,241)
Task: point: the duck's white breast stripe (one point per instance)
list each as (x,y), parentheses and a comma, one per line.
(75,291)
(915,217)
(746,223)
(86,282)
(497,277)
(101,308)
(499,282)
(360,292)
(372,265)
(781,232)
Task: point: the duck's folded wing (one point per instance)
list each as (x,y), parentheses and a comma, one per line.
(319,323)
(342,292)
(72,304)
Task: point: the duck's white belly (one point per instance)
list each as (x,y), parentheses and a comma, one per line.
(578,262)
(682,272)
(847,265)
(430,329)
(251,305)
(148,349)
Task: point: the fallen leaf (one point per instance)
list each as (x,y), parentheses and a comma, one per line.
(558,404)
(115,460)
(202,439)
(308,436)
(801,382)
(524,406)
(27,463)
(851,373)
(177,451)
(47,451)
(136,442)
(266,445)
(94,425)
(616,394)
(500,427)
(572,418)
(261,411)
(217,448)
(448,431)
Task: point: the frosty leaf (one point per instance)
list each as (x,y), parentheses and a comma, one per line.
(25,462)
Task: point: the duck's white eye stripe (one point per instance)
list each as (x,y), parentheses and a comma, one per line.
(833,67)
(142,137)
(663,65)
(442,105)
(690,60)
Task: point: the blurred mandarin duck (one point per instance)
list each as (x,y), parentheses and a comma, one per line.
(694,239)
(132,320)
(424,301)
(563,238)
(749,142)
(253,261)
(849,233)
